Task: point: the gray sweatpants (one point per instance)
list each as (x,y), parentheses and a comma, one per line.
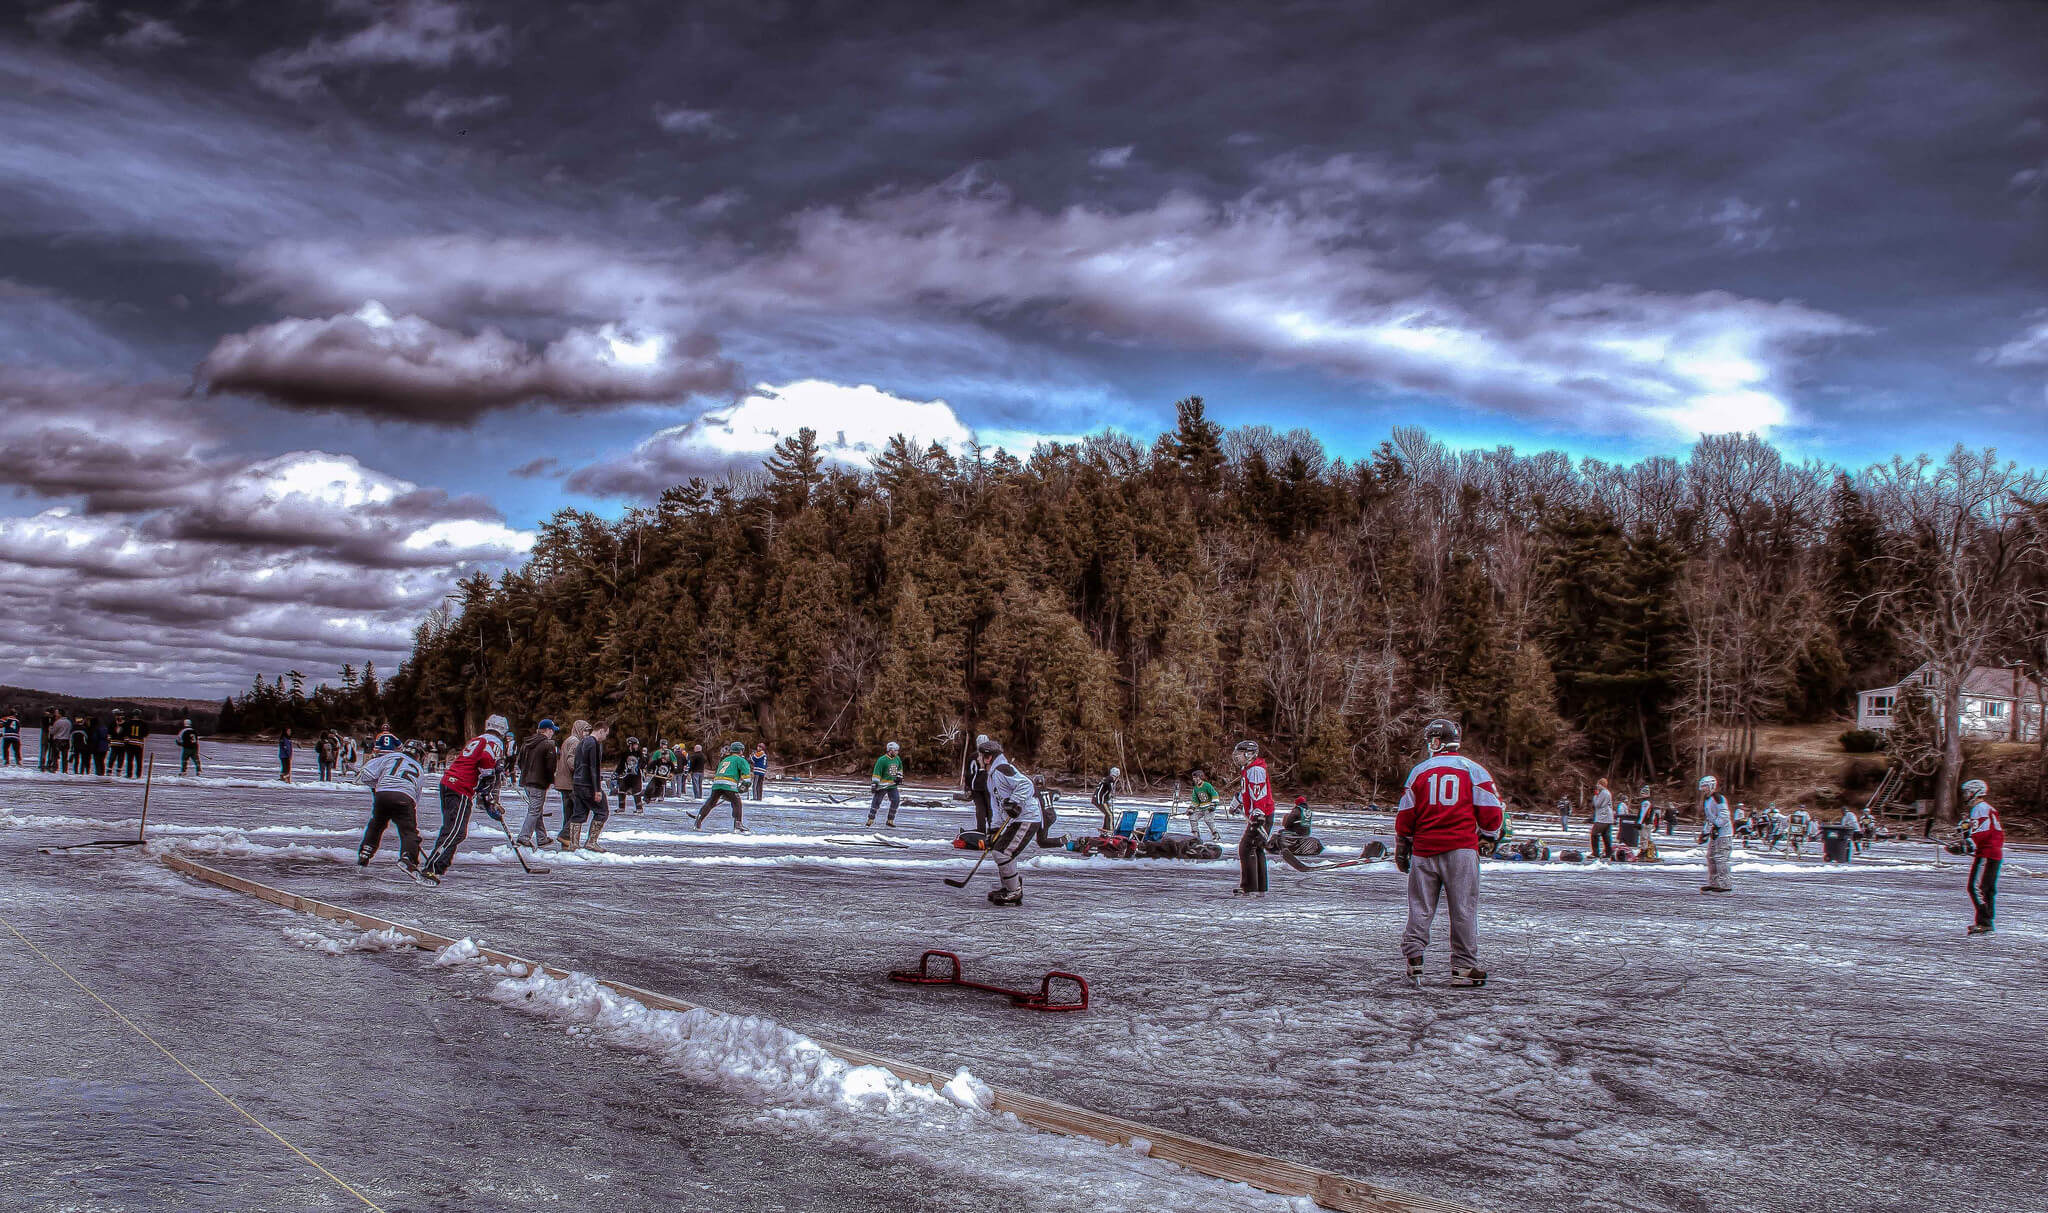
(1009,844)
(1720,851)
(1454,876)
(536,813)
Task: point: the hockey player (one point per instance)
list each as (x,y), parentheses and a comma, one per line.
(1104,799)
(1255,801)
(660,770)
(1448,806)
(188,749)
(1987,841)
(1296,835)
(1019,817)
(393,778)
(886,782)
(471,779)
(974,781)
(1202,800)
(734,771)
(1717,834)
(10,738)
(627,773)
(1799,827)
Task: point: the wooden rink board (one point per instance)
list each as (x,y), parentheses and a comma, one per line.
(1327,1188)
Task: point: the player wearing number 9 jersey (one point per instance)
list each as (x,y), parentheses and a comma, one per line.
(1447,803)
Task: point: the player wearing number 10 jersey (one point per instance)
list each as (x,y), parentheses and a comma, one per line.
(1448,802)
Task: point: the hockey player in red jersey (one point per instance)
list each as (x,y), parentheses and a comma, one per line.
(1448,803)
(1255,801)
(1987,844)
(471,778)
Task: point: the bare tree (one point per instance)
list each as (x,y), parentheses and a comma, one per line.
(1962,537)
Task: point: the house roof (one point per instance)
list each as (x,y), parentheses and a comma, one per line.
(1984,682)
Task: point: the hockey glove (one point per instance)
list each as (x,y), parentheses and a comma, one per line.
(1488,844)
(1403,848)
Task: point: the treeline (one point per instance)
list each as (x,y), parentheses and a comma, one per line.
(356,706)
(1112,603)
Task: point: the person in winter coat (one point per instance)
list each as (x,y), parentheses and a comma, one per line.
(188,749)
(1448,805)
(536,777)
(628,776)
(1717,834)
(565,759)
(60,742)
(393,778)
(1602,837)
(327,752)
(1987,845)
(974,781)
(102,742)
(10,738)
(586,781)
(734,771)
(81,744)
(695,766)
(758,760)
(284,755)
(470,781)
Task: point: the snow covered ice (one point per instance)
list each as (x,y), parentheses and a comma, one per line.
(1826,1038)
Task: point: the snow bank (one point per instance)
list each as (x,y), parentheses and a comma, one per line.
(386,940)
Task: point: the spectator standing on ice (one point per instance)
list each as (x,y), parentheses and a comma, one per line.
(1448,804)
(135,740)
(565,776)
(586,780)
(536,776)
(101,741)
(81,743)
(1202,798)
(43,739)
(327,753)
(188,749)
(886,782)
(470,779)
(695,767)
(1255,801)
(1564,813)
(1717,834)
(60,742)
(1019,816)
(759,762)
(974,780)
(10,738)
(1855,829)
(284,755)
(1602,837)
(1987,845)
(733,773)
(393,778)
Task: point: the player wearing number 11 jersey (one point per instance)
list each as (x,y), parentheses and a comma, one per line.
(1448,803)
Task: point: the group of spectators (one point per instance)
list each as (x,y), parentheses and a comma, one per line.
(574,769)
(83,743)
(1643,818)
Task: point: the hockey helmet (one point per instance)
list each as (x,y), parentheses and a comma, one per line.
(416,749)
(1246,751)
(1115,774)
(386,743)
(1975,789)
(988,745)
(737,747)
(1440,734)
(1645,792)
(1709,784)
(1373,849)
(892,747)
(498,725)
(632,743)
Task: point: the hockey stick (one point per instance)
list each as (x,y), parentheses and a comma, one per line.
(961,883)
(514,844)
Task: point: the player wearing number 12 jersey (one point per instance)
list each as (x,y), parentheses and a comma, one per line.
(1448,803)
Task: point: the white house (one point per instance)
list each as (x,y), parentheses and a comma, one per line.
(1999,702)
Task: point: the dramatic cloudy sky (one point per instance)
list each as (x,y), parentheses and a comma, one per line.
(307,307)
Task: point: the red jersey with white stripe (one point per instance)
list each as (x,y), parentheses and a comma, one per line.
(480,755)
(1445,802)
(1987,832)
(1255,793)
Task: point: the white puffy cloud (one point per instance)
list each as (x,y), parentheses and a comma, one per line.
(2029,348)
(397,33)
(441,107)
(853,424)
(146,35)
(1112,158)
(682,120)
(371,361)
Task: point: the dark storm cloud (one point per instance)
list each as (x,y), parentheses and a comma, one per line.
(404,367)
(118,445)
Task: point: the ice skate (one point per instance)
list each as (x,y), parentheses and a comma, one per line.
(1415,971)
(1006,897)
(1468,977)
(1977,930)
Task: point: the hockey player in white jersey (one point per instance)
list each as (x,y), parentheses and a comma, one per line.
(1019,818)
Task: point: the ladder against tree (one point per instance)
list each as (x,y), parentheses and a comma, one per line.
(1887,791)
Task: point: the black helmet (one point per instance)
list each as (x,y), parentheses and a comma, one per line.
(1440,734)
(737,747)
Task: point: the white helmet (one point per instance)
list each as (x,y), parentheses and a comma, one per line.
(892,747)
(498,725)
(1975,789)
(979,738)
(1709,784)
(1114,773)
